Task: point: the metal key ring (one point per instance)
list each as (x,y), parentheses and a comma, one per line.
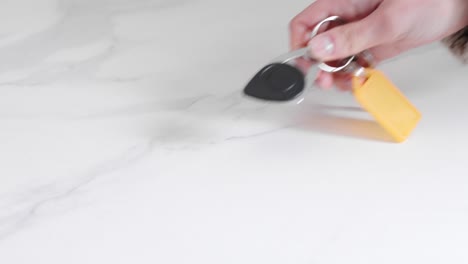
(324,66)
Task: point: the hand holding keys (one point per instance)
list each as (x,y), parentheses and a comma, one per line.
(282,81)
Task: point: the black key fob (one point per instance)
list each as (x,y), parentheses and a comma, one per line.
(281,81)
(276,82)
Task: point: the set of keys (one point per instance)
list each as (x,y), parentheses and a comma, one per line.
(282,81)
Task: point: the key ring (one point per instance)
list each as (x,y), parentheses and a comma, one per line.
(304,52)
(324,66)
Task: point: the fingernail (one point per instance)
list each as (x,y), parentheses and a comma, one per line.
(321,46)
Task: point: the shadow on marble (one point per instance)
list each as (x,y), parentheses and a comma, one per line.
(338,120)
(344,126)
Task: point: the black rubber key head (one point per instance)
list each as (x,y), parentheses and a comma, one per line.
(276,82)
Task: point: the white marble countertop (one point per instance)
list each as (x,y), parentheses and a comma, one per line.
(124,139)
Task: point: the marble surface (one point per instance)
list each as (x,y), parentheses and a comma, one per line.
(125,139)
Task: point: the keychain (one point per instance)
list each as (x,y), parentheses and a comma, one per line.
(281,81)
(385,102)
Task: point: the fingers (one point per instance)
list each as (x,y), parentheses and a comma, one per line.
(300,26)
(303,65)
(324,80)
(327,81)
(349,10)
(355,37)
(370,26)
(343,81)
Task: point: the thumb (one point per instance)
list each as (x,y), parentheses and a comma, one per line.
(351,39)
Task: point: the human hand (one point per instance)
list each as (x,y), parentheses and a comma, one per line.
(386,28)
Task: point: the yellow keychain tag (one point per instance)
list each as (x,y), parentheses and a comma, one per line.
(384,101)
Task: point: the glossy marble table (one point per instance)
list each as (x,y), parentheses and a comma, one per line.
(125,139)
